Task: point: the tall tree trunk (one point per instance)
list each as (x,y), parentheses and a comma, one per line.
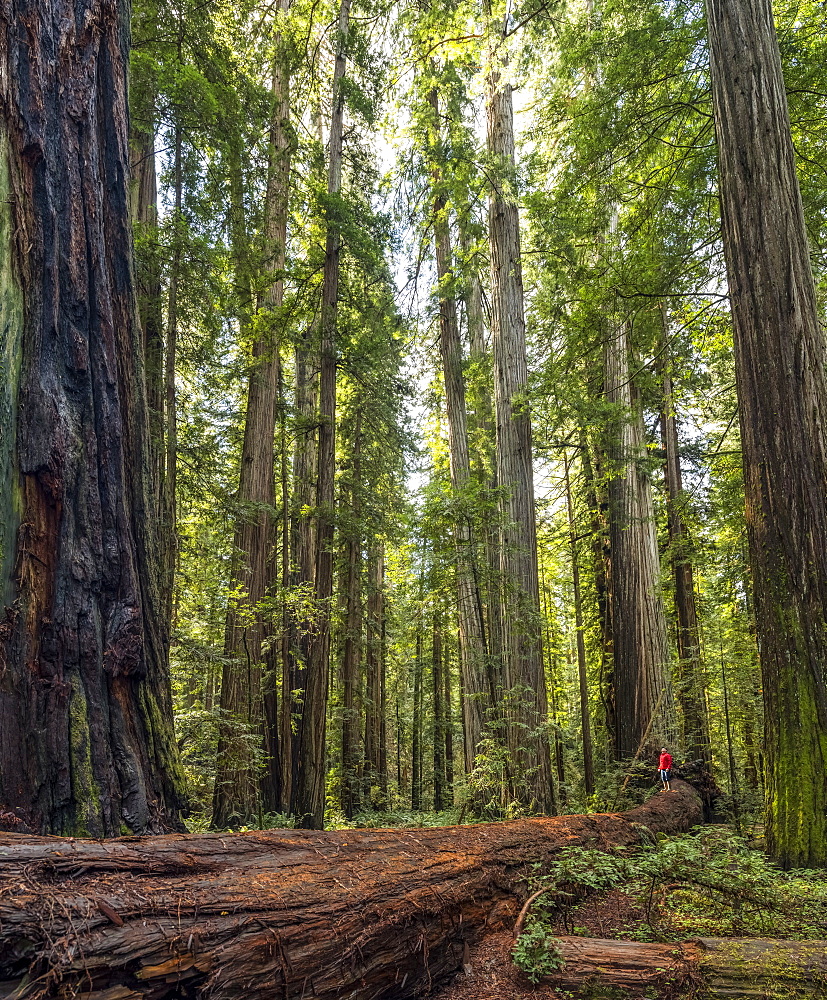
(374,684)
(352,653)
(481,685)
(144,212)
(523,674)
(416,725)
(782,398)
(642,683)
(602,575)
(438,715)
(588,756)
(169,497)
(237,797)
(312,723)
(690,688)
(448,716)
(302,548)
(87,742)
(482,448)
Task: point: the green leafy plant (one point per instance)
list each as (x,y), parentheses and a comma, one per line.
(537,952)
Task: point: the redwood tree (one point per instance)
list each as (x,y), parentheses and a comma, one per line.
(643,702)
(782,398)
(523,672)
(86,739)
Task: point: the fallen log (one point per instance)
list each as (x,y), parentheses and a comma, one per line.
(735,968)
(282,914)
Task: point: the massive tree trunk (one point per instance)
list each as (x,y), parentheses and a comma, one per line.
(309,750)
(782,398)
(237,797)
(86,740)
(523,674)
(480,684)
(642,683)
(690,688)
(284,914)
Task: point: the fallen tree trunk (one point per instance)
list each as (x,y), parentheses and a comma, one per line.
(736,968)
(360,914)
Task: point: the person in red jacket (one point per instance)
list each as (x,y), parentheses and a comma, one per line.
(665,768)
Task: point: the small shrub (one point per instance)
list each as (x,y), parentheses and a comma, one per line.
(537,952)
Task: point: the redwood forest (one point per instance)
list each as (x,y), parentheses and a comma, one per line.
(413,499)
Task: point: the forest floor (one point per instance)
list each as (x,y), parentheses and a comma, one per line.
(491,975)
(709,884)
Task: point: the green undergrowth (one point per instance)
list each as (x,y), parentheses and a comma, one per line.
(708,883)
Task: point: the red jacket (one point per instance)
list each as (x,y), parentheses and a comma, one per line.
(665,762)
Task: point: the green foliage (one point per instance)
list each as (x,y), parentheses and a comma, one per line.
(708,883)
(537,952)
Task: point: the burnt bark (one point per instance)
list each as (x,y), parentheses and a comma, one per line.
(280,914)
(782,400)
(85,704)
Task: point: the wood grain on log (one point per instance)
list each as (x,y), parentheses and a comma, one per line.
(279,914)
(735,968)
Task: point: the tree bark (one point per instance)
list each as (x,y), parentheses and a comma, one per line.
(87,742)
(642,681)
(523,675)
(735,968)
(352,654)
(277,915)
(481,685)
(375,753)
(690,688)
(144,213)
(438,715)
(312,724)
(782,399)
(585,717)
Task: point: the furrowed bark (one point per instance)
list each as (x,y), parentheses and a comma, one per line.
(523,674)
(782,399)
(352,654)
(86,738)
(309,747)
(642,681)
(375,755)
(585,717)
(480,683)
(279,915)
